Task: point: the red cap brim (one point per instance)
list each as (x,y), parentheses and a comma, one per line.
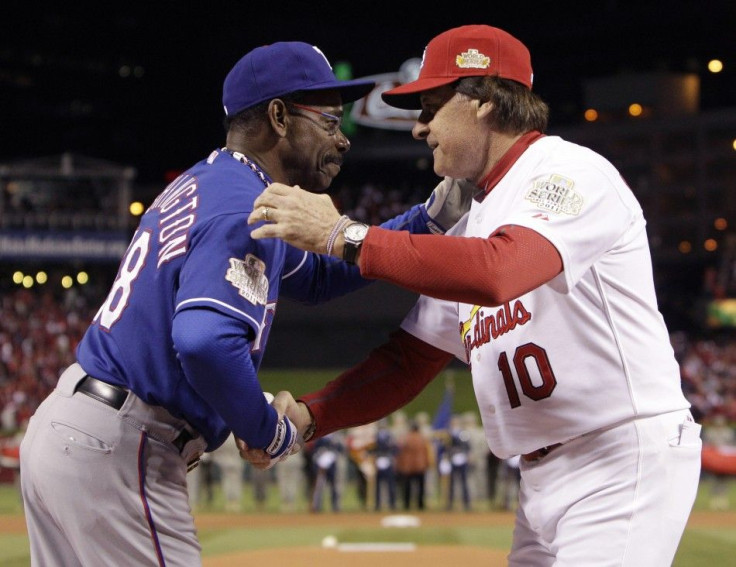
(407,96)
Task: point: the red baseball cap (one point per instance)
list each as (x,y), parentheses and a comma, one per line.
(467,51)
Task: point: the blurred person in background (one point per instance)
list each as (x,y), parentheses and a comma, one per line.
(384,459)
(359,441)
(509,479)
(325,455)
(413,459)
(231,468)
(201,483)
(477,461)
(291,481)
(458,455)
(260,482)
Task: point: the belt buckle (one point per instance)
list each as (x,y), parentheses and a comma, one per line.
(539,454)
(184,437)
(181,441)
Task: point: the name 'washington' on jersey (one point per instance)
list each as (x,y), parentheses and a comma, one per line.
(162,271)
(193,249)
(591,338)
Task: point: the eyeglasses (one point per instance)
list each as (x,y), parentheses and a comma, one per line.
(333,122)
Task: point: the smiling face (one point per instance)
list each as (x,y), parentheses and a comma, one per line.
(317,144)
(455,129)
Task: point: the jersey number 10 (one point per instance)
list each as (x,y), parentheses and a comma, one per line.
(523,354)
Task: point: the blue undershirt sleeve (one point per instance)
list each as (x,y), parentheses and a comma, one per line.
(319,278)
(214,352)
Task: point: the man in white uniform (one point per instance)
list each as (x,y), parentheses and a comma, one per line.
(545,289)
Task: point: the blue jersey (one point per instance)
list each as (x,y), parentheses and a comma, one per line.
(193,274)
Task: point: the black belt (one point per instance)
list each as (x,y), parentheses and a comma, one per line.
(115,396)
(540,453)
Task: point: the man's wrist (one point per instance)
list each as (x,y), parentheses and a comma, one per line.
(353,234)
(311,424)
(335,234)
(337,250)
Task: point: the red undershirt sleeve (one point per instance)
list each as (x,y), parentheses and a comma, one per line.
(389,378)
(480,271)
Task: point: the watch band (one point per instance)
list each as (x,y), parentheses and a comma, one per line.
(353,235)
(350,251)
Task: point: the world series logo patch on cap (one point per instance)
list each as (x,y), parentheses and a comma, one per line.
(472,59)
(249,277)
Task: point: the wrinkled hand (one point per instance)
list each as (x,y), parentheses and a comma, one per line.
(301,218)
(449,201)
(297,412)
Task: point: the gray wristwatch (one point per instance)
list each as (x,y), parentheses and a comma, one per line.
(354,234)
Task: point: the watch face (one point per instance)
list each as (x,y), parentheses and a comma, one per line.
(356,231)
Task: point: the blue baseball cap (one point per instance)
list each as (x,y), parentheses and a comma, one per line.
(282,68)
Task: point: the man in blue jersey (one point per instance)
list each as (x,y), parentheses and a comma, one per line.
(168,368)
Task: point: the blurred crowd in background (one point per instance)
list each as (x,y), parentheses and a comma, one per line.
(402,463)
(396,465)
(34,206)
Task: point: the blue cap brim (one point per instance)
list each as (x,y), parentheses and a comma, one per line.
(349,90)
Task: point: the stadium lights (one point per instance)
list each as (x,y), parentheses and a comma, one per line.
(41,277)
(715,65)
(136,208)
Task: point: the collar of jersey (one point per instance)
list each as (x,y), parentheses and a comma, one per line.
(507,160)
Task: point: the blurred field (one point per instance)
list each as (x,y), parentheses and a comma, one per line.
(480,537)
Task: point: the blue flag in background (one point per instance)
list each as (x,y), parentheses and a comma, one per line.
(444,411)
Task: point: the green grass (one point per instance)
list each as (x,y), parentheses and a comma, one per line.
(700,546)
(254,537)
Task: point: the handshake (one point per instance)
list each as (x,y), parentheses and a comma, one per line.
(294,421)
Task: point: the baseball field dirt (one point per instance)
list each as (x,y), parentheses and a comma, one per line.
(360,556)
(425,555)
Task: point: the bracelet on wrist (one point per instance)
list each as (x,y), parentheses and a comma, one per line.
(339,225)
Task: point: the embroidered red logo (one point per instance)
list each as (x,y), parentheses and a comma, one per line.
(540,216)
(480,328)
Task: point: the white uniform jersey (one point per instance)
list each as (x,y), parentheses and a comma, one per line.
(587,350)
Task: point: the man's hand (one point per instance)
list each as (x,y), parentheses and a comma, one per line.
(301,218)
(297,412)
(449,201)
(305,219)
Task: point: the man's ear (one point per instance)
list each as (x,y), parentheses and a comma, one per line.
(278,116)
(484,109)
